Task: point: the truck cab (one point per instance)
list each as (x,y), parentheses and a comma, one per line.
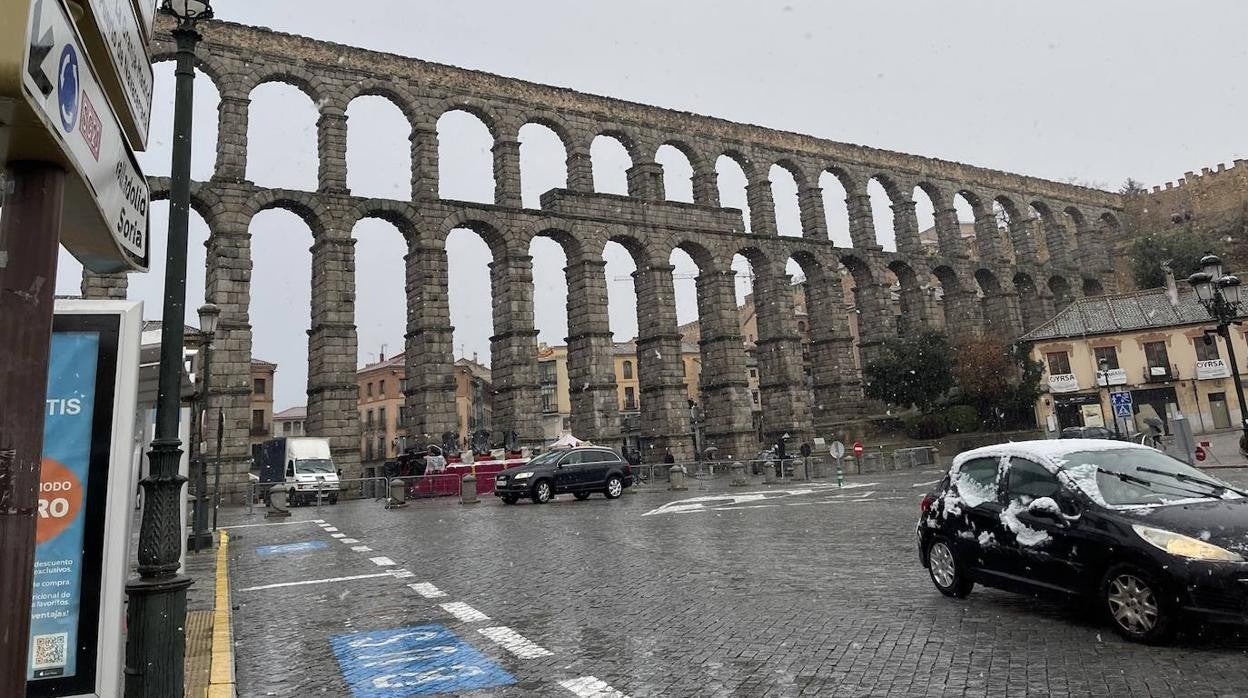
(304,466)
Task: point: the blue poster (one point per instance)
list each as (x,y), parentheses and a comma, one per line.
(54,616)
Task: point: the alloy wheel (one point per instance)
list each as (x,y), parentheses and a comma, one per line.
(615,487)
(1132,604)
(940,559)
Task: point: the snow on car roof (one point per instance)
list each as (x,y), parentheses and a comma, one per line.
(1048,452)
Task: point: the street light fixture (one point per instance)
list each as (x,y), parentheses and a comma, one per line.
(1221,296)
(156,608)
(1102,379)
(208,315)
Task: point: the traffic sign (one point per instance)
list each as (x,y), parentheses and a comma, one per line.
(837,449)
(118,49)
(858,449)
(64,117)
(1122,404)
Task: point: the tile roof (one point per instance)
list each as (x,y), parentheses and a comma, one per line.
(299,412)
(1124,312)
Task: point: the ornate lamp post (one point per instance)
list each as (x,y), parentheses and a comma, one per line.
(1102,379)
(1221,296)
(208,314)
(156,611)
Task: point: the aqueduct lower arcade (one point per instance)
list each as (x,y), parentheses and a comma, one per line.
(999,281)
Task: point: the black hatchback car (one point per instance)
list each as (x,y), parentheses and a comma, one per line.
(1148,539)
(581,471)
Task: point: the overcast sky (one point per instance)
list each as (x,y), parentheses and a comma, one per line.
(1097,92)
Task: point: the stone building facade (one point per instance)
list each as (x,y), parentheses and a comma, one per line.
(1009,280)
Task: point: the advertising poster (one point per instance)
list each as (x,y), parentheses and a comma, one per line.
(78,570)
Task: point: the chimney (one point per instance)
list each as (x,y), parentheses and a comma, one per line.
(1172,291)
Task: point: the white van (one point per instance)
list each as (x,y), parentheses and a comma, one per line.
(303,465)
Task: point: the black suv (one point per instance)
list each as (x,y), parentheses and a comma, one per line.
(581,471)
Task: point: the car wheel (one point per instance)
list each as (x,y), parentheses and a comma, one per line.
(615,487)
(333,499)
(292,500)
(1136,605)
(946,572)
(510,499)
(542,492)
(581,495)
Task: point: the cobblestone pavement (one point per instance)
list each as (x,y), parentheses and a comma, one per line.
(776,592)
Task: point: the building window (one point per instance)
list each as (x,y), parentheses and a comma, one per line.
(381,417)
(285,427)
(546,370)
(257,421)
(630,397)
(257,386)
(1206,351)
(369,390)
(567,425)
(753,373)
(549,403)
(754,395)
(628,370)
(369,422)
(381,388)
(1109,355)
(1155,354)
(381,447)
(1059,363)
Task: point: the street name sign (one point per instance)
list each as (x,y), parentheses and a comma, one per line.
(118,49)
(1122,404)
(53,109)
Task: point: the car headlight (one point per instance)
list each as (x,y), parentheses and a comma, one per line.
(522,476)
(1185,546)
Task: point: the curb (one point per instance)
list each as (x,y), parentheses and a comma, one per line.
(221,676)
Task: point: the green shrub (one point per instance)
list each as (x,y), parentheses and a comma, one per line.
(925,426)
(961,419)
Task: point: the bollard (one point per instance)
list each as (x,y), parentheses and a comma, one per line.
(398,494)
(277,503)
(676,478)
(840,474)
(320,485)
(738,476)
(799,469)
(468,489)
(769,473)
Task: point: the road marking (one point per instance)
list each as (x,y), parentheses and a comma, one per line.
(348,541)
(316,581)
(381,561)
(402,573)
(427,590)
(318,521)
(275,523)
(925,484)
(362,549)
(591,687)
(329,529)
(514,642)
(337,535)
(464,612)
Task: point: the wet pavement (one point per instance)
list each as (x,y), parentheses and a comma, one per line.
(792,589)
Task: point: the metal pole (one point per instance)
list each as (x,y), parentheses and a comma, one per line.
(216,474)
(31,194)
(1224,329)
(201,534)
(156,618)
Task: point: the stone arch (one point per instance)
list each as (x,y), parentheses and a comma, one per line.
(999,307)
(372,87)
(204,200)
(959,307)
(1030,302)
(459,148)
(282,159)
(306,205)
(481,110)
(537,146)
(1060,288)
(205,62)
(384,131)
(912,310)
(612,163)
(785,184)
(891,215)
(501,239)
(729,168)
(674,161)
(838,210)
(931,206)
(397,213)
(299,78)
(1011,234)
(1092,287)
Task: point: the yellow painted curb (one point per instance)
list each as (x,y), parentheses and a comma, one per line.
(221,676)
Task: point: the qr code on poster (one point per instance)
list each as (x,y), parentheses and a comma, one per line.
(50,650)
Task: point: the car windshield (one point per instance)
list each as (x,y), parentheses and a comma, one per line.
(546,458)
(314,466)
(1140,477)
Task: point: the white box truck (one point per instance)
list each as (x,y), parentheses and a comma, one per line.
(302,465)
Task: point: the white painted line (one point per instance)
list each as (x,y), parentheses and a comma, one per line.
(275,523)
(316,581)
(925,484)
(348,541)
(362,549)
(329,529)
(318,520)
(514,642)
(591,687)
(337,535)
(381,561)
(427,590)
(402,573)
(464,612)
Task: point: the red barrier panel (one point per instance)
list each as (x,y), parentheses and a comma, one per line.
(447,484)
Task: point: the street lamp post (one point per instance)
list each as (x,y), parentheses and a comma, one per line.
(1220,294)
(156,610)
(1102,379)
(208,314)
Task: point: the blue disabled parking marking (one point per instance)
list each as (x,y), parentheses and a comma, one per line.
(415,661)
(290,548)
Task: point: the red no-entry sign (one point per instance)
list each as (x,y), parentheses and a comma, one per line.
(857,449)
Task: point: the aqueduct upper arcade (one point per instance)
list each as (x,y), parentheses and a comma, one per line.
(998,280)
